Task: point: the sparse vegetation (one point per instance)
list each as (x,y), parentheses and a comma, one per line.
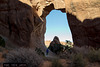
(84,50)
(78,57)
(39,51)
(88,52)
(94,56)
(24,55)
(78,61)
(83,55)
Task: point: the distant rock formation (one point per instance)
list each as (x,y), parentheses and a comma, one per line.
(55,41)
(47,42)
(55,45)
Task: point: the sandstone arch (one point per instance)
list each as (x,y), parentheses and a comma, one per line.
(22,22)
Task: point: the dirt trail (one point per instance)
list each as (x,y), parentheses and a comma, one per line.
(1,59)
(46,64)
(49,63)
(63,62)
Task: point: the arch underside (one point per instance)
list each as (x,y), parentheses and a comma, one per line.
(25,21)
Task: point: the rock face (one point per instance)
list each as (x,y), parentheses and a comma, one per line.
(84,21)
(86,33)
(55,41)
(19,24)
(55,45)
(23,22)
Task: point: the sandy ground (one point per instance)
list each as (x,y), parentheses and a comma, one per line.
(46,64)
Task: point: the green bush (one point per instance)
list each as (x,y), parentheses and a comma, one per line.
(56,63)
(39,51)
(94,56)
(78,61)
(24,55)
(2,42)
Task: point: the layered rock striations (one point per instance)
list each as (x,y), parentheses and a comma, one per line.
(23,22)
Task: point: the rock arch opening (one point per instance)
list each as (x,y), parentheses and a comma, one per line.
(25,21)
(57,25)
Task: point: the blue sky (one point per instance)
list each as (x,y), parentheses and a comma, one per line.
(57,25)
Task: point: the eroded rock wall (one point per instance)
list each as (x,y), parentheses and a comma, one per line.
(23,22)
(84,21)
(18,23)
(86,33)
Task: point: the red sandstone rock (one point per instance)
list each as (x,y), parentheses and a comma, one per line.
(23,22)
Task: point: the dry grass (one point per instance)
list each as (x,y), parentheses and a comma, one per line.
(78,61)
(94,56)
(83,56)
(46,64)
(90,53)
(24,55)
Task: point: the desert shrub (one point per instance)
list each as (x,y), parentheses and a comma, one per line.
(24,55)
(94,56)
(72,51)
(83,50)
(39,51)
(2,42)
(56,63)
(88,52)
(78,61)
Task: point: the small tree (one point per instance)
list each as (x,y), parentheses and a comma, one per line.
(69,44)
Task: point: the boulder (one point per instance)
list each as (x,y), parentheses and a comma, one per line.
(55,46)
